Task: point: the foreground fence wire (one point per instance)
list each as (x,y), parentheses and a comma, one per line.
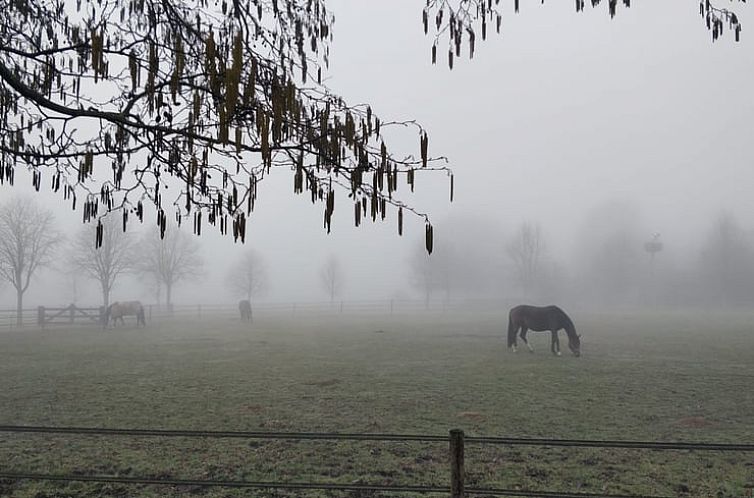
(456,440)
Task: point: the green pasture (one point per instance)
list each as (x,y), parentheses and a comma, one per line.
(642,376)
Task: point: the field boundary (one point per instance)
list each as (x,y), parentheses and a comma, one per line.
(62,315)
(456,440)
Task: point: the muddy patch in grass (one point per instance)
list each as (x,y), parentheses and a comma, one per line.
(476,416)
(694,422)
(252,408)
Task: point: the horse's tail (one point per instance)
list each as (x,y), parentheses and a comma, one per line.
(512,329)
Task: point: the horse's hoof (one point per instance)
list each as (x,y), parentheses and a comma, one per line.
(557,354)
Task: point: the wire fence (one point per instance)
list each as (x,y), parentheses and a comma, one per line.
(161,313)
(456,440)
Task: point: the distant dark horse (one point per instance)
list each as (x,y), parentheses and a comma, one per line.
(244,307)
(542,318)
(118,310)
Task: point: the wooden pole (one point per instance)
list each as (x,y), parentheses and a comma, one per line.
(456,464)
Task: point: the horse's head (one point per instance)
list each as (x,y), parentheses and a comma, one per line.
(574,344)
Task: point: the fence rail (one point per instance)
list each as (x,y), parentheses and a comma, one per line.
(344,436)
(61,315)
(457,441)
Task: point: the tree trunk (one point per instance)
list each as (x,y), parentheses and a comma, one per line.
(20,307)
(105,296)
(168,296)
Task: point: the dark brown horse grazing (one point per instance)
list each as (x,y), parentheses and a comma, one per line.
(118,310)
(244,307)
(522,318)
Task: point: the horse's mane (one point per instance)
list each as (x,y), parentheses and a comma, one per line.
(568,326)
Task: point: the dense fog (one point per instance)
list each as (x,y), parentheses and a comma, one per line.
(575,142)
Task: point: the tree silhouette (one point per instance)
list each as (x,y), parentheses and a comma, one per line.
(170,259)
(248,275)
(525,251)
(27,242)
(104,264)
(331,277)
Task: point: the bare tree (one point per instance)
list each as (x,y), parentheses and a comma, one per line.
(728,262)
(248,276)
(425,274)
(610,249)
(525,250)
(106,263)
(331,277)
(170,260)
(27,242)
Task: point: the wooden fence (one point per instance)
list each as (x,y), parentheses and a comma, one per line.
(69,315)
(456,457)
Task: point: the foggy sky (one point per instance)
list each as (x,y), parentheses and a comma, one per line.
(558,115)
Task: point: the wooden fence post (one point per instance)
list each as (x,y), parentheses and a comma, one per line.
(456,464)
(71,313)
(41,316)
(150,312)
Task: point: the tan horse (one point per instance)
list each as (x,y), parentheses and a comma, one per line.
(118,310)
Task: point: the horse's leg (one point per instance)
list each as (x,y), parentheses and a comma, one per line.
(512,331)
(555,344)
(523,332)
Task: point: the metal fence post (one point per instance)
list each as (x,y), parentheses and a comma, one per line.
(456,464)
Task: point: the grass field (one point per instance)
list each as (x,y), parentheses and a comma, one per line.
(663,377)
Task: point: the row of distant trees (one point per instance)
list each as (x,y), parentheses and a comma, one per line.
(30,241)
(614,261)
